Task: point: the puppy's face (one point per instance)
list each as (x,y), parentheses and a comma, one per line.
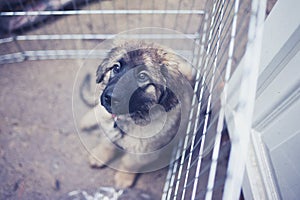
(137,83)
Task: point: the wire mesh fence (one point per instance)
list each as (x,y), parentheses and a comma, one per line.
(205,170)
(224,34)
(201,175)
(99,20)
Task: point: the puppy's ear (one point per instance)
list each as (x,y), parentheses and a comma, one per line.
(168,98)
(105,66)
(164,70)
(102,71)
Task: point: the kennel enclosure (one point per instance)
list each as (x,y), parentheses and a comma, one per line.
(225,50)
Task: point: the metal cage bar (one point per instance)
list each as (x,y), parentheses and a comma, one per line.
(219,34)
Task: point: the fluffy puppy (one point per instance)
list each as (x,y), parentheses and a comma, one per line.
(145,99)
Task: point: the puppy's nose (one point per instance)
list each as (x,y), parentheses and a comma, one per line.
(110,100)
(107,98)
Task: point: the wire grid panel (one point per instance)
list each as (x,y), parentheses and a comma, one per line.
(219,29)
(212,166)
(69,29)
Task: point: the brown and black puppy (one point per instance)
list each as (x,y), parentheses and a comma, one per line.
(144,108)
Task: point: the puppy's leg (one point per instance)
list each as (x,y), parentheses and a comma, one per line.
(101,155)
(124,178)
(105,151)
(89,120)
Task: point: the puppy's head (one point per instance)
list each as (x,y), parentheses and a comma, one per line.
(141,75)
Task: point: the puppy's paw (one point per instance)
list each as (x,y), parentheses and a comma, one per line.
(95,162)
(124,180)
(100,156)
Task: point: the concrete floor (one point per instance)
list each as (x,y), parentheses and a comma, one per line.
(41,156)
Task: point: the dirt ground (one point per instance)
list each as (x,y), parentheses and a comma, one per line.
(41,155)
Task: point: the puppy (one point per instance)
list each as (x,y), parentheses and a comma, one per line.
(145,102)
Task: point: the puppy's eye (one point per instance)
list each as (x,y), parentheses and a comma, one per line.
(143,77)
(117,67)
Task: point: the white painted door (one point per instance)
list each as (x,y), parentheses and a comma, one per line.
(273,170)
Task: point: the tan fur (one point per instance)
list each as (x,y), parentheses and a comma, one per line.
(138,139)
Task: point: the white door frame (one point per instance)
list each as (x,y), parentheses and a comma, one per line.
(281,43)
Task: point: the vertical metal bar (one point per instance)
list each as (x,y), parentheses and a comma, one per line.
(102,16)
(201,50)
(115,17)
(31,24)
(9,31)
(192,146)
(194,190)
(216,148)
(167,192)
(77,16)
(243,113)
(176,16)
(20,49)
(46,31)
(152,15)
(58,29)
(127,16)
(68,26)
(240,32)
(87,4)
(196,53)
(168,185)
(189,17)
(140,15)
(213,40)
(173,170)
(164,15)
(187,137)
